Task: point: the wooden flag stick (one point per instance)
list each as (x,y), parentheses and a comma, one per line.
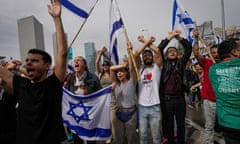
(203,43)
(132,57)
(209,53)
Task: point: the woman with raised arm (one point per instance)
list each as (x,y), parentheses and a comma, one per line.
(104,73)
(124,79)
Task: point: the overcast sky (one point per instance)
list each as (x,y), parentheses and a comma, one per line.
(148,17)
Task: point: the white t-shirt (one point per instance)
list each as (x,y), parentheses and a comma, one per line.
(148,87)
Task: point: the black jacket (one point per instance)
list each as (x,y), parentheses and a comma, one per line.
(180,63)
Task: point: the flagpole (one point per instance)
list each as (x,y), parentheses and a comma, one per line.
(130,53)
(132,57)
(223,20)
(204,44)
(75,37)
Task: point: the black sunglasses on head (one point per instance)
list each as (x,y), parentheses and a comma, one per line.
(105,65)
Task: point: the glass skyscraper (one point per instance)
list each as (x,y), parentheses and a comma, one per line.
(90,55)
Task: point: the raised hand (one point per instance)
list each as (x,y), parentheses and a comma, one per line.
(152,39)
(196,33)
(141,38)
(13,64)
(171,34)
(129,45)
(54,9)
(104,49)
(99,52)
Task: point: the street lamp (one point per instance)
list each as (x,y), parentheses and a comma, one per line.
(223,20)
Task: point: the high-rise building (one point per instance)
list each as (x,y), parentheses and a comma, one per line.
(54,38)
(30,33)
(90,55)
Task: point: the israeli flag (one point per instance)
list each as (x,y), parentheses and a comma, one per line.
(116,28)
(88,116)
(81,8)
(218,39)
(70,69)
(182,21)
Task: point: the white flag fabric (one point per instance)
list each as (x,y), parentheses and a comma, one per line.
(70,69)
(182,21)
(81,8)
(88,116)
(116,28)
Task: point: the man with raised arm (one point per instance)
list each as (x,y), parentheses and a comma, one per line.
(172,86)
(40,97)
(209,99)
(148,90)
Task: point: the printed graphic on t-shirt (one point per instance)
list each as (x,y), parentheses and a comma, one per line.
(147,78)
(229,82)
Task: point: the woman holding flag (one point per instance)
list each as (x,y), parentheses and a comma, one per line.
(82,82)
(106,80)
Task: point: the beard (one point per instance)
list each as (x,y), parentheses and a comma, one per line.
(148,62)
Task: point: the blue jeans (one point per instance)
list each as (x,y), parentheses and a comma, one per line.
(149,115)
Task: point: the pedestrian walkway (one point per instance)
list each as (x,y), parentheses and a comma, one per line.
(195,126)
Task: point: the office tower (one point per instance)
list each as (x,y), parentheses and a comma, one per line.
(30,33)
(90,55)
(54,38)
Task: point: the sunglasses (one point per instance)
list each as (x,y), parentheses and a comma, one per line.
(105,65)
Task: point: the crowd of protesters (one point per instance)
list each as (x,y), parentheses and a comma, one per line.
(152,92)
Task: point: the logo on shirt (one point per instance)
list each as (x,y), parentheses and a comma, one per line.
(147,78)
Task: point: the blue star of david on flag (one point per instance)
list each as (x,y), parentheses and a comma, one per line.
(181,20)
(75,114)
(88,116)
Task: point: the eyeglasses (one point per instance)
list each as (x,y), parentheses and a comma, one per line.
(105,64)
(172,51)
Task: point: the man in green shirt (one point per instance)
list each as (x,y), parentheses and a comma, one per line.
(225,79)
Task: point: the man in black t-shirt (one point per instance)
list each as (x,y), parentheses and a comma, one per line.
(7,114)
(39,97)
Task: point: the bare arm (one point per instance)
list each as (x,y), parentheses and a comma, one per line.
(131,68)
(6,81)
(99,55)
(113,69)
(61,62)
(140,49)
(6,74)
(196,52)
(157,54)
